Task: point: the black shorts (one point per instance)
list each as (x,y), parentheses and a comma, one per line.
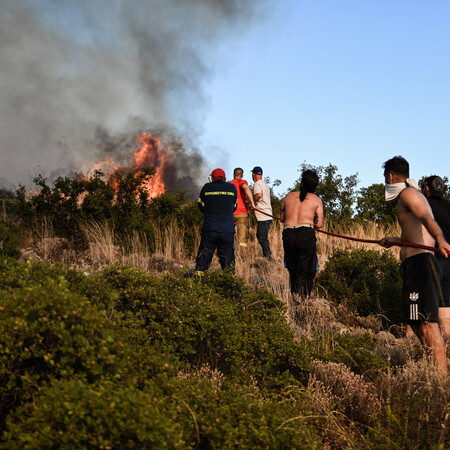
(422,291)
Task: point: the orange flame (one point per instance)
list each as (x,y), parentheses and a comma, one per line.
(151,153)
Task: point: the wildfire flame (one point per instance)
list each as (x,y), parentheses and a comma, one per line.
(151,153)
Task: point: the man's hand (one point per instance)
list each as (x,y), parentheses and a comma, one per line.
(389,241)
(444,247)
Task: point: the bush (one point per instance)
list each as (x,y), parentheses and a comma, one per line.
(73,414)
(9,240)
(217,321)
(46,332)
(241,416)
(364,280)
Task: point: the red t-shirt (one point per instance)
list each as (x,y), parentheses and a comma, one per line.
(241,195)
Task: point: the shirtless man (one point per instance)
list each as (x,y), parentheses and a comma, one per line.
(300,212)
(421,284)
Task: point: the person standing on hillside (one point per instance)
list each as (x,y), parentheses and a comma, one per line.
(420,270)
(433,189)
(217,201)
(300,213)
(261,197)
(240,216)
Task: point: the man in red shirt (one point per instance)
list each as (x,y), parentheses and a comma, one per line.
(240,216)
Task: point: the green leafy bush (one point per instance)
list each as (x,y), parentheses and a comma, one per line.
(364,280)
(48,332)
(74,414)
(231,415)
(217,321)
(9,240)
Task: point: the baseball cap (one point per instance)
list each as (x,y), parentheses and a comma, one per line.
(218,174)
(257,170)
(436,186)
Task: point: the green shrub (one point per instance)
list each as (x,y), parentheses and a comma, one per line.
(48,332)
(217,321)
(194,411)
(9,240)
(364,280)
(14,275)
(231,415)
(73,414)
(357,353)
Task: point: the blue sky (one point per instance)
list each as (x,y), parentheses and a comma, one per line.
(348,82)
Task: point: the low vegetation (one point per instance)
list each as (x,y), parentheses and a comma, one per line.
(108,341)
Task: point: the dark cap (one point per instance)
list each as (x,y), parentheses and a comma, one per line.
(436,186)
(218,174)
(257,170)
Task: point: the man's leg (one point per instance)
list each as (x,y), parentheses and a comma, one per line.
(306,270)
(306,260)
(241,224)
(225,250)
(444,321)
(206,251)
(262,233)
(444,310)
(290,258)
(430,336)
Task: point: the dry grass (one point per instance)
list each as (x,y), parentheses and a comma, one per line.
(422,393)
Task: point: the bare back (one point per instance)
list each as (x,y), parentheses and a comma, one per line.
(412,210)
(294,212)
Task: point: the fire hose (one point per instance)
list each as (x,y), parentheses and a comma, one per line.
(369,241)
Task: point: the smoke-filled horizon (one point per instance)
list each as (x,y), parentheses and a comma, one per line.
(79,80)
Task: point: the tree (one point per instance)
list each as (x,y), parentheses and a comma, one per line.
(337,193)
(372,206)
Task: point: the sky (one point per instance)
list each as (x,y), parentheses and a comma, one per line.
(240,83)
(352,83)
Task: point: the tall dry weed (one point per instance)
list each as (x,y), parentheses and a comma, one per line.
(102,249)
(169,240)
(420,393)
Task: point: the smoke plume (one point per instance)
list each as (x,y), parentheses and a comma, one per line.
(79,79)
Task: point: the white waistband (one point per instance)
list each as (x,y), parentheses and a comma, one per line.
(306,225)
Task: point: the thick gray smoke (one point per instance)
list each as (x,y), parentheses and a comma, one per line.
(79,79)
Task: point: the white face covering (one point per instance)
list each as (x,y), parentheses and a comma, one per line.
(392,191)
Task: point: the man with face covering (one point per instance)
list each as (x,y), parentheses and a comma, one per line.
(433,189)
(420,270)
(300,212)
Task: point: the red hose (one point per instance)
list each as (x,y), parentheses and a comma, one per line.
(368,241)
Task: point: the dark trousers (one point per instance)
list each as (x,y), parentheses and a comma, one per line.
(262,234)
(224,242)
(300,256)
(444,264)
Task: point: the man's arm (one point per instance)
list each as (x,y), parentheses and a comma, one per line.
(282,215)
(318,217)
(257,193)
(419,206)
(201,201)
(249,194)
